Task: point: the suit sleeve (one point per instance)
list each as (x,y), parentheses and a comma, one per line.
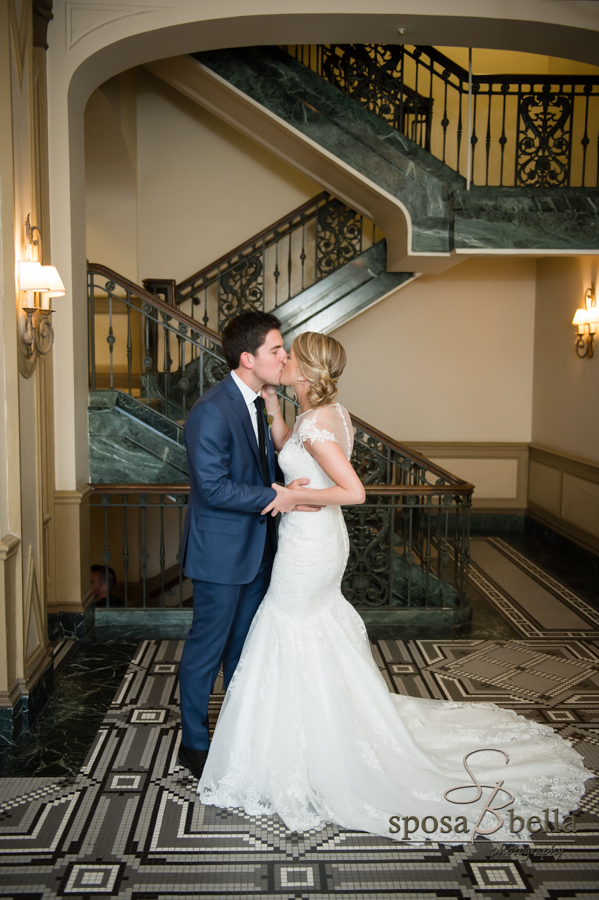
(207,439)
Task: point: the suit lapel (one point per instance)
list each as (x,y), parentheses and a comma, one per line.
(240,407)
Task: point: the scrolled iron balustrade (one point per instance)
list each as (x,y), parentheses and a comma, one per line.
(527,130)
(407,550)
(408,542)
(278,263)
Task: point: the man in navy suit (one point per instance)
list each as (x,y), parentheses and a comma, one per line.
(228,546)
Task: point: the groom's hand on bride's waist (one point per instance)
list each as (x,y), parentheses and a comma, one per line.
(284,502)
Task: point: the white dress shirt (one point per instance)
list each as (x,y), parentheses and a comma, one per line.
(249,396)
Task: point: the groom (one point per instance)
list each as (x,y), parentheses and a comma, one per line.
(228,546)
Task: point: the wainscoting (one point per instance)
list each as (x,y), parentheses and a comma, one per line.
(555,489)
(564,494)
(499,471)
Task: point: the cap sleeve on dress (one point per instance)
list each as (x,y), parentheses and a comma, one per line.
(327,423)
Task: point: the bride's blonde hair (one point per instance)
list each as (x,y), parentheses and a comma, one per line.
(321,360)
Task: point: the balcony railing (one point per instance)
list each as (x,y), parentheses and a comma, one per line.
(408,543)
(525,130)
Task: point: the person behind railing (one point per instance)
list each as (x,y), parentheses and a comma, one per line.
(98,586)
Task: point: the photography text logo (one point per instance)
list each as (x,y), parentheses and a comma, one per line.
(430,824)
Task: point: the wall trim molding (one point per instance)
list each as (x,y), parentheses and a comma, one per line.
(564,494)
(512,497)
(9,544)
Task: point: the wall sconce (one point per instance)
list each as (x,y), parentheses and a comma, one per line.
(586,320)
(38,284)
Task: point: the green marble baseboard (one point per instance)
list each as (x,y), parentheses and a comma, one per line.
(20,717)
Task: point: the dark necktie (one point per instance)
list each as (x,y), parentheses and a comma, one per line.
(259,404)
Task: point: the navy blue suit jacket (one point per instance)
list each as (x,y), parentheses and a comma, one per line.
(224,533)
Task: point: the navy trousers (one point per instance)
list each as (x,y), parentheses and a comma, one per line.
(222,615)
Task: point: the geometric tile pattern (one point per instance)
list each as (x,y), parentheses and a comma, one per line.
(130,823)
(521,619)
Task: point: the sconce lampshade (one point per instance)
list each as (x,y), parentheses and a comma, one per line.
(32,277)
(54,281)
(580,317)
(592,315)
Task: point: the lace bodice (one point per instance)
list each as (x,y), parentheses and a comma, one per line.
(327,423)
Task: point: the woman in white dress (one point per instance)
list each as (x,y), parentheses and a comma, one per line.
(308,728)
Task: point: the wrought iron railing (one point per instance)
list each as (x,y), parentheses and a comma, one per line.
(409,541)
(525,130)
(408,545)
(276,264)
(148,348)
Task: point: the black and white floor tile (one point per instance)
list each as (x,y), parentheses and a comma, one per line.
(130,824)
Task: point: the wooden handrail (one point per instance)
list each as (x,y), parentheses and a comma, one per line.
(407,451)
(189,282)
(143,294)
(193,324)
(380,489)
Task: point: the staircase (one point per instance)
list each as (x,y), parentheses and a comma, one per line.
(446,167)
(409,543)
(540,128)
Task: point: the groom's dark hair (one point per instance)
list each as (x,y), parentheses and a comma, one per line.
(246,333)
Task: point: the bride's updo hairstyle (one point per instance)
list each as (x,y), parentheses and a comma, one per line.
(321,360)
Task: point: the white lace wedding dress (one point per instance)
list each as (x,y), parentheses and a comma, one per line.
(309,729)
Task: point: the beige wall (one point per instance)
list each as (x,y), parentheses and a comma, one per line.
(566,389)
(447,358)
(203,188)
(169,187)
(111,175)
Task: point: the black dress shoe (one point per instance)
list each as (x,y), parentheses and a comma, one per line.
(193,760)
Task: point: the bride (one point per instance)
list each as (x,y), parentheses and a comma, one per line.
(308,728)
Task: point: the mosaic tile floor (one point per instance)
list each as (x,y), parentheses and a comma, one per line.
(129,824)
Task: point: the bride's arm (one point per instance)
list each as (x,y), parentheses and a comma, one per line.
(278,429)
(348,490)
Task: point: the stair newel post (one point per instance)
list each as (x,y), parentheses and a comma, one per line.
(162,550)
(125,549)
(429,115)
(205,317)
(303,253)
(503,140)
(180,501)
(276,273)
(460,125)
(143,556)
(147,357)
(166,364)
(416,101)
(110,339)
(92,330)
(400,122)
(106,556)
(445,120)
(585,138)
(263,256)
(129,345)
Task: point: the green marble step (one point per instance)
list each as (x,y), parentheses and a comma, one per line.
(340,296)
(132,444)
(350,132)
(444,216)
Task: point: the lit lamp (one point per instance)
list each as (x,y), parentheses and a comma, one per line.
(37,284)
(586,320)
